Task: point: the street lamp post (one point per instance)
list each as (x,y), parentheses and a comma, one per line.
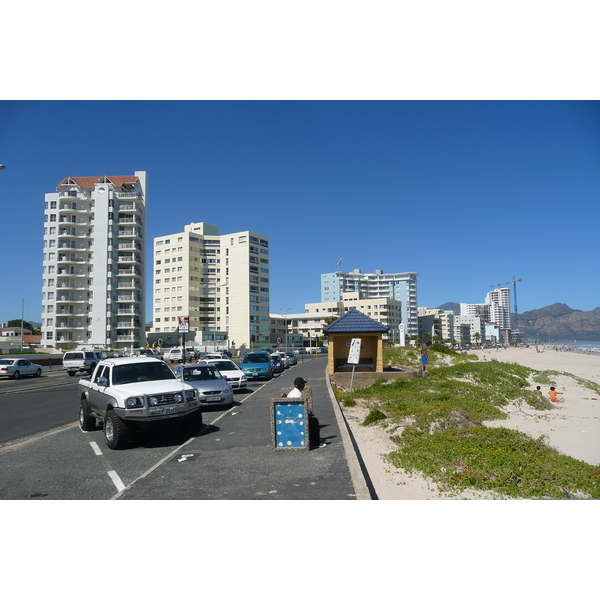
(285,312)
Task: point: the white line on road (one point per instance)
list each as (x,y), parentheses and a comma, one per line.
(116,480)
(96,448)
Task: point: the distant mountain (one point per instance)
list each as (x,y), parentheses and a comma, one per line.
(560,323)
(453,306)
(555,323)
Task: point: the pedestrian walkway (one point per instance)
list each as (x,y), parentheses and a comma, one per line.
(233,457)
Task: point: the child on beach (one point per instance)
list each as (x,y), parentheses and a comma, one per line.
(554,395)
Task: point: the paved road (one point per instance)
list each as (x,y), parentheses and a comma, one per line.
(233,458)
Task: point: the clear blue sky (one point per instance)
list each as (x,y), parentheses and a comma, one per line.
(468,194)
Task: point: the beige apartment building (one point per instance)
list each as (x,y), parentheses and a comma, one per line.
(318,314)
(220,282)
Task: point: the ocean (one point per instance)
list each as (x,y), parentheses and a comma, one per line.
(575,346)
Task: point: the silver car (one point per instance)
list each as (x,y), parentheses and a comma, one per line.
(213,389)
(16,367)
(230,370)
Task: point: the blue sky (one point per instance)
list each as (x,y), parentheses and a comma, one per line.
(466,193)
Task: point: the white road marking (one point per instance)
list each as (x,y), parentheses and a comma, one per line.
(116,480)
(96,449)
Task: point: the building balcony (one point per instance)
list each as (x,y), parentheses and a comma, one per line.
(130,232)
(127,325)
(67,325)
(71,286)
(128,285)
(130,337)
(73,194)
(129,298)
(134,272)
(128,196)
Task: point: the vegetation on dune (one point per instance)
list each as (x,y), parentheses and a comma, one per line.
(441,418)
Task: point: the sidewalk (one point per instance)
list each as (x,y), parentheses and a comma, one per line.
(232,458)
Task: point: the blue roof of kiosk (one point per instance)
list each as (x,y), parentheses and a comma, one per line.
(355,322)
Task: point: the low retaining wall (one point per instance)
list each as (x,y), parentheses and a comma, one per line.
(364,379)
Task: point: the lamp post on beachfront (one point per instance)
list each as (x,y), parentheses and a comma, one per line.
(285,312)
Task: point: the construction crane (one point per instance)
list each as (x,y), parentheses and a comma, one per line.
(514,284)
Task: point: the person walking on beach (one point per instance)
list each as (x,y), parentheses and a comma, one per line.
(538,390)
(424,350)
(554,395)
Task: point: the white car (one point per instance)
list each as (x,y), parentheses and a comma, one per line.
(16,367)
(174,355)
(236,378)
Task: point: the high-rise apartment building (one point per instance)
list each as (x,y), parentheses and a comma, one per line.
(499,311)
(93,289)
(397,286)
(221,282)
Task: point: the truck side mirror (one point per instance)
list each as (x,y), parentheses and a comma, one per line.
(102,381)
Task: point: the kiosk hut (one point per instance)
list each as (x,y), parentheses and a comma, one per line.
(351,325)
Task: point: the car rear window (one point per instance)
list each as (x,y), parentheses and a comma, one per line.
(201,374)
(257,358)
(73,356)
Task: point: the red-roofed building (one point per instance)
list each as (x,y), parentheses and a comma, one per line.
(94,270)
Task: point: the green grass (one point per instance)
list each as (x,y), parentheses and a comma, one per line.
(496,459)
(444,436)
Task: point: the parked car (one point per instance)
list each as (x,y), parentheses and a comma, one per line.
(214,355)
(130,394)
(230,370)
(292,360)
(213,389)
(284,359)
(16,367)
(258,365)
(277,360)
(78,361)
(191,354)
(174,355)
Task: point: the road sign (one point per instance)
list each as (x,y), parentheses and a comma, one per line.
(184,324)
(354,354)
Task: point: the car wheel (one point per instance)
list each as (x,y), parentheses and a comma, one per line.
(191,424)
(38,373)
(16,375)
(91,369)
(115,431)
(87,422)
(72,373)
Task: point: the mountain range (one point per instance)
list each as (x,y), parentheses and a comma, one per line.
(554,323)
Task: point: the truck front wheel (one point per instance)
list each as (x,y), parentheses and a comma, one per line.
(191,424)
(115,431)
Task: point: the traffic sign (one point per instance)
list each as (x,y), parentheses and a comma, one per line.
(354,354)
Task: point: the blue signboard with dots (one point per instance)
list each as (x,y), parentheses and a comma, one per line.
(289,424)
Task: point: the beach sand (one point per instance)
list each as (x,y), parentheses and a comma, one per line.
(572,427)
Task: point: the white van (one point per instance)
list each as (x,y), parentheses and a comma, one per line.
(80,361)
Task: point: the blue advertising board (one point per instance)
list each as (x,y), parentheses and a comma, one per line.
(289,424)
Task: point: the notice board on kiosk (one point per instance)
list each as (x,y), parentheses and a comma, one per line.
(289,424)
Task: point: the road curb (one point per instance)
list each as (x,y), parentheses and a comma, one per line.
(360,478)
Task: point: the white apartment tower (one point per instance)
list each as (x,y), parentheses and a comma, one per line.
(499,311)
(93,289)
(221,282)
(397,286)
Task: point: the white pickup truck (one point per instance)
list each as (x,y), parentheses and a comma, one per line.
(130,393)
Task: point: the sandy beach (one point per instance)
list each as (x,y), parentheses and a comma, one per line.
(572,427)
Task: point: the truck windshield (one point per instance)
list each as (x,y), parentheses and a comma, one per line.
(150,371)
